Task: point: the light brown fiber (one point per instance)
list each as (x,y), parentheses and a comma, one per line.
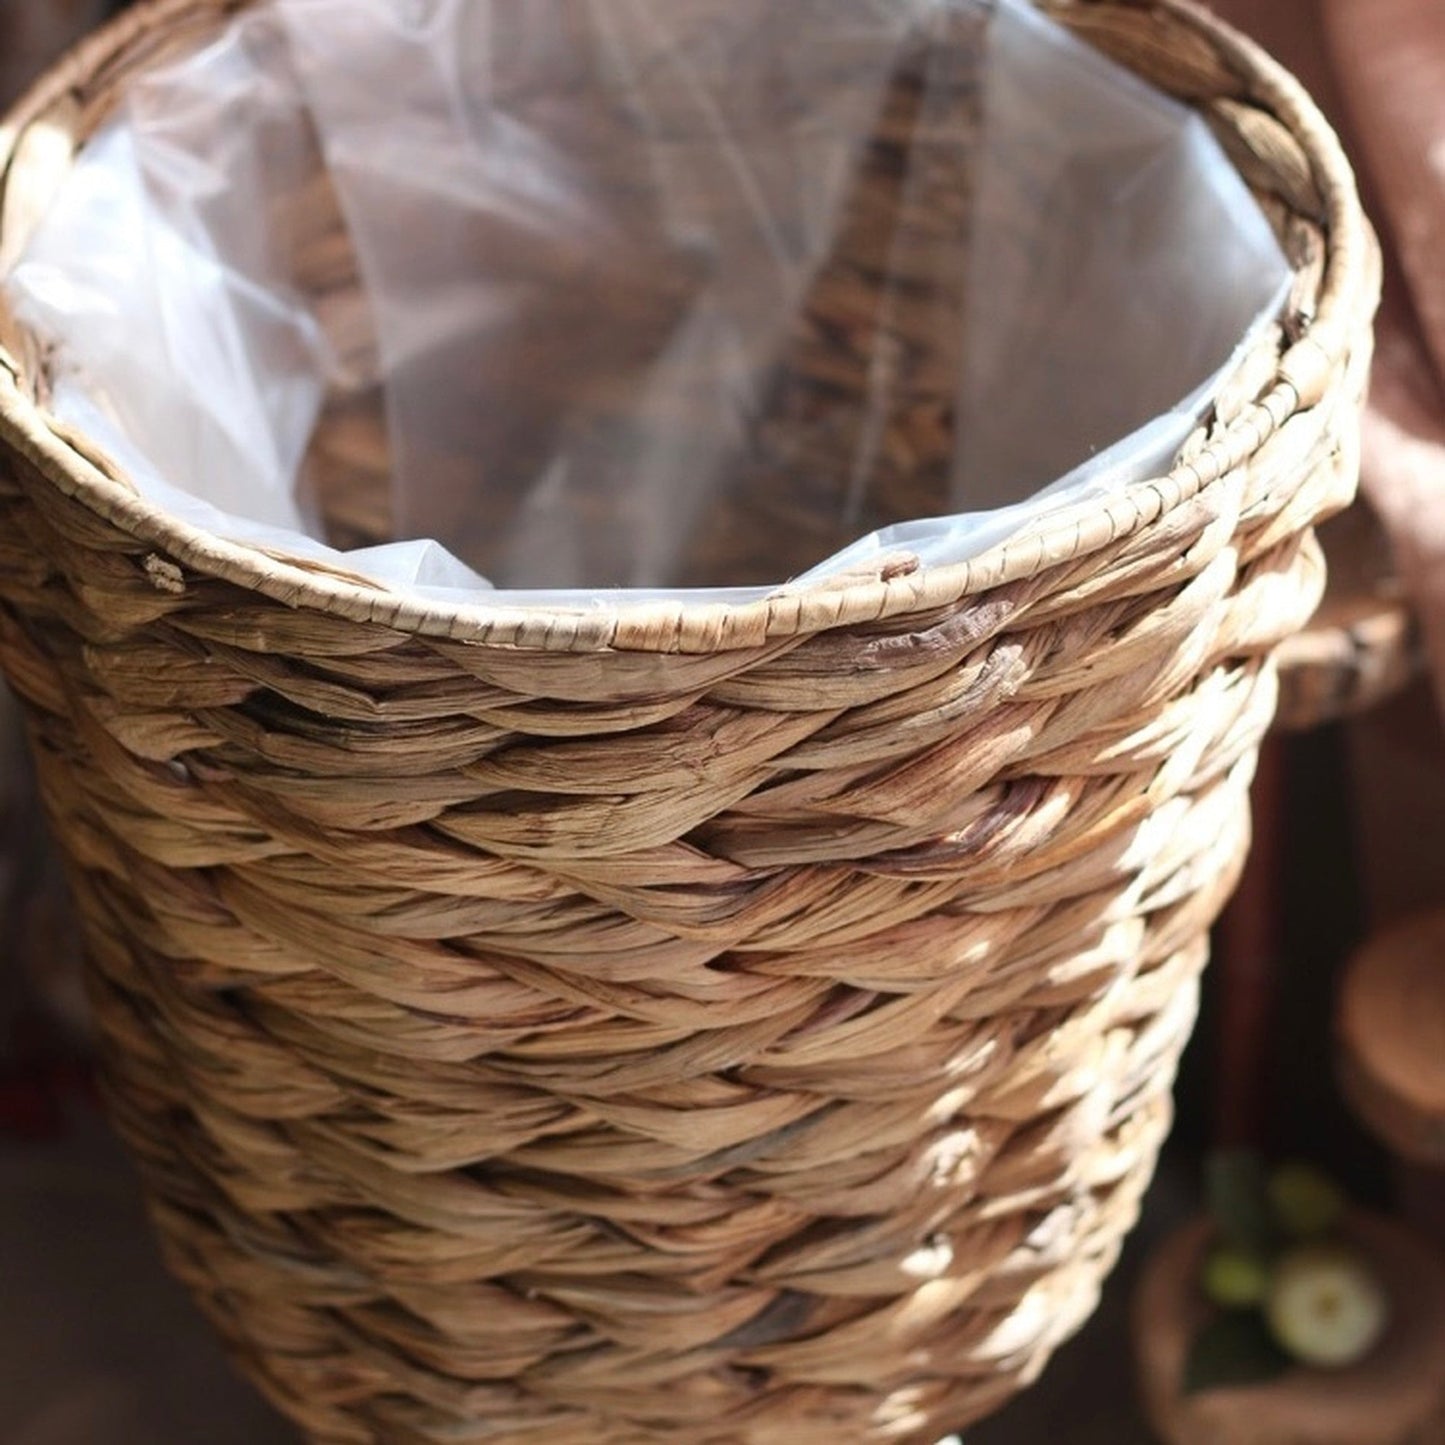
(670,1023)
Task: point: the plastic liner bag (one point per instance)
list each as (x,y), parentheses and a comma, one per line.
(579,295)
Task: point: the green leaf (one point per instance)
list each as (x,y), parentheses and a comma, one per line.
(1236,1350)
(1237,1191)
(1306,1202)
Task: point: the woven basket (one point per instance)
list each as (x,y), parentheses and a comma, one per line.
(34,32)
(670,1023)
(1363,645)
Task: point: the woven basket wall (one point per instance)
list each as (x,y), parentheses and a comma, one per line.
(1363,646)
(34,32)
(670,1024)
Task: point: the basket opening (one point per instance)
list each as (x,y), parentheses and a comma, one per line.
(584,294)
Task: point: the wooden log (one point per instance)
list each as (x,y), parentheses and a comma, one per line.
(1390,1030)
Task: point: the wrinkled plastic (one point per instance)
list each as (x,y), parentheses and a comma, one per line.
(654,294)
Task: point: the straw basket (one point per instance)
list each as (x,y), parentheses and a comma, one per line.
(670,1023)
(1363,645)
(33,32)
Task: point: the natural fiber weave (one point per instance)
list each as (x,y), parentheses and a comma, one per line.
(670,1023)
(1363,646)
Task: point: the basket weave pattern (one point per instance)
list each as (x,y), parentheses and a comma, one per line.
(673,1024)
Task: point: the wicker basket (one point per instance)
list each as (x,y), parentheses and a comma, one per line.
(671,1023)
(1363,645)
(34,32)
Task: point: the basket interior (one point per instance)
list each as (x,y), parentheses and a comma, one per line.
(678,305)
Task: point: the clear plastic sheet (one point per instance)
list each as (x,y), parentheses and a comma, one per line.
(662,295)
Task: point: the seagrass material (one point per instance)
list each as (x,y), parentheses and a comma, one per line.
(1363,646)
(1390,1037)
(670,1023)
(34,32)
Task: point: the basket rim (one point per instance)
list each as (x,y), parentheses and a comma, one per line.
(1304,376)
